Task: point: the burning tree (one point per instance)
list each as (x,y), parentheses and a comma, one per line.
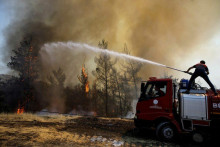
(86,103)
(84,80)
(24,62)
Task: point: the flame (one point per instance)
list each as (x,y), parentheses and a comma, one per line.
(20,110)
(87,87)
(87,82)
(84,79)
(84,73)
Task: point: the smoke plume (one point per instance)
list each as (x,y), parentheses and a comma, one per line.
(159,30)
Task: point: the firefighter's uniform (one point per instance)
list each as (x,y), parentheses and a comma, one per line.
(201,70)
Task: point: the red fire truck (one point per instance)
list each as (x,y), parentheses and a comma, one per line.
(164,106)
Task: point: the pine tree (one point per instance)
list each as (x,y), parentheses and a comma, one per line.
(57,78)
(132,68)
(24,62)
(103,73)
(56,91)
(116,86)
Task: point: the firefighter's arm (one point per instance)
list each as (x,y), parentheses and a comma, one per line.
(190,69)
(207,72)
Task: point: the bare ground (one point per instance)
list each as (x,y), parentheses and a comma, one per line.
(59,130)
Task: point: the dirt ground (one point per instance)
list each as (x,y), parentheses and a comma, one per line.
(60,130)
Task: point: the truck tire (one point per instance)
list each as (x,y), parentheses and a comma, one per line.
(165,131)
(198,137)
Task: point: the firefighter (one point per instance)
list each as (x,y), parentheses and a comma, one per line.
(202,71)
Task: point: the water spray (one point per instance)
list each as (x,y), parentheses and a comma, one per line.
(80,47)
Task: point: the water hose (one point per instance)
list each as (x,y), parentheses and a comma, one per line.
(179,70)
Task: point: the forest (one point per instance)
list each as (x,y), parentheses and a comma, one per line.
(111,92)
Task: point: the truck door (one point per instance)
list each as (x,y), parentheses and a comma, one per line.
(155,101)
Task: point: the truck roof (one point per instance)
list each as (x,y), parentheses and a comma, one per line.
(156,79)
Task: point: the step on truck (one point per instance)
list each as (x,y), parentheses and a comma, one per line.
(163,105)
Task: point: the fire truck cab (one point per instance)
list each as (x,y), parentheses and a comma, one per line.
(164,106)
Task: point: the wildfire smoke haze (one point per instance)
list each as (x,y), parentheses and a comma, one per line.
(81,63)
(161,30)
(57,51)
(153,30)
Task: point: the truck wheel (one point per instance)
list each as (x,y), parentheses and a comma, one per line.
(165,131)
(198,137)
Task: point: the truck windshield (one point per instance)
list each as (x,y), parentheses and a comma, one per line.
(154,90)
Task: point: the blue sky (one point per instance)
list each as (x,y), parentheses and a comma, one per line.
(5,16)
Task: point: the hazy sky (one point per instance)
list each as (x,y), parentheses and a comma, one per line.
(172,32)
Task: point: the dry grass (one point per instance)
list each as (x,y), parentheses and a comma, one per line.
(56,130)
(59,130)
(28,129)
(32,117)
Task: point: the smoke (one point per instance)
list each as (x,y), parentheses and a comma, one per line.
(51,55)
(164,31)
(161,30)
(70,59)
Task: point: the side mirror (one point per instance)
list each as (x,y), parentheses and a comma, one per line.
(142,87)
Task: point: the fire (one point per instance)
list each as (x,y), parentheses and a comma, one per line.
(84,79)
(20,110)
(87,87)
